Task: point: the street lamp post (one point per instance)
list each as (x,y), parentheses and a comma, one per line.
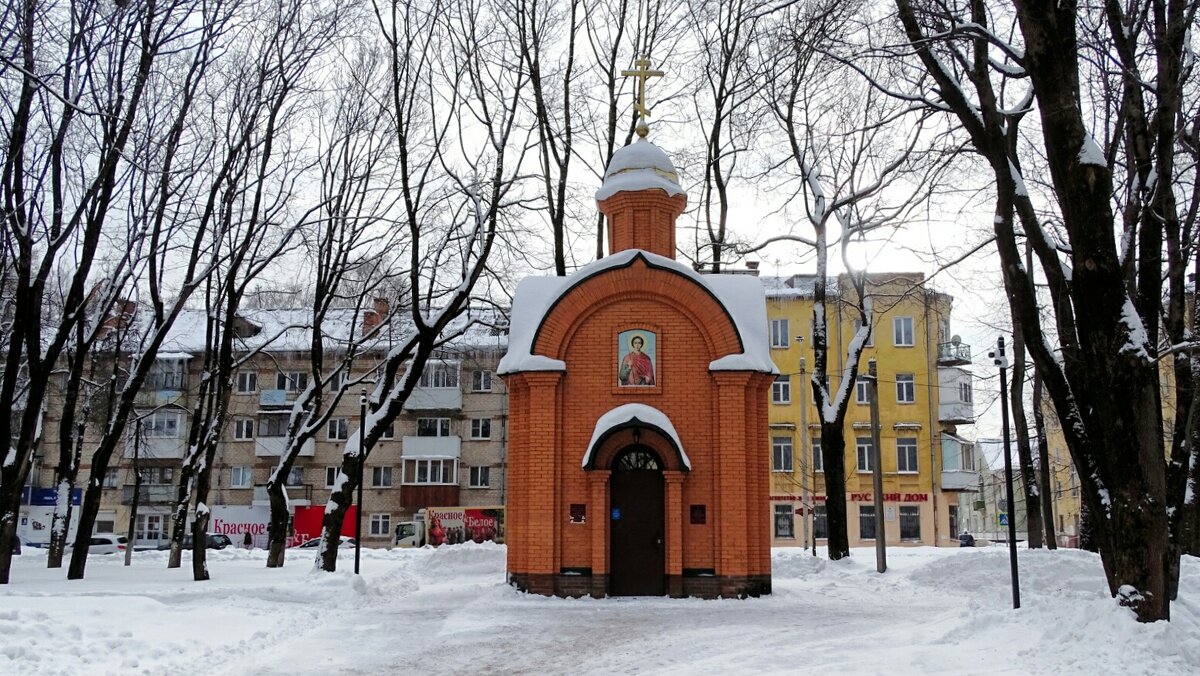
(999,359)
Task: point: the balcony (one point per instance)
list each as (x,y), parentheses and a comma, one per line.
(431,447)
(959,480)
(434,399)
(150,494)
(157,447)
(148,397)
(955,396)
(273,447)
(953,354)
(273,398)
(297,495)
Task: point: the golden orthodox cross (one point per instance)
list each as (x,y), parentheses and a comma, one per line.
(642,72)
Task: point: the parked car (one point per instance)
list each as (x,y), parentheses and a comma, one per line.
(346,542)
(105,543)
(966,540)
(212,541)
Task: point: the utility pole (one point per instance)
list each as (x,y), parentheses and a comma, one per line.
(1000,360)
(362,475)
(877,471)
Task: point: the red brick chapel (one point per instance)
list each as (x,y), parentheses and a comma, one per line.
(638,389)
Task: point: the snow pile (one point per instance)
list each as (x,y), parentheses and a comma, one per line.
(448,610)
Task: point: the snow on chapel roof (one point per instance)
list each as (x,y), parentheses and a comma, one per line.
(639,166)
(742,296)
(634,413)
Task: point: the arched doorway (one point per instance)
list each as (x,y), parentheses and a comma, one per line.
(636,559)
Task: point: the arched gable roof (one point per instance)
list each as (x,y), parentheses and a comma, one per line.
(540,327)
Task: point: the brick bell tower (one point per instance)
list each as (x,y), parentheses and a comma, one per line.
(638,451)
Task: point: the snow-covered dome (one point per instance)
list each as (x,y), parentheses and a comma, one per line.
(639,166)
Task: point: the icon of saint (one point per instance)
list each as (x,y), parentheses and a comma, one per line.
(637,368)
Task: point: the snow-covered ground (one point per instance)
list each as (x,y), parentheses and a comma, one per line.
(449,611)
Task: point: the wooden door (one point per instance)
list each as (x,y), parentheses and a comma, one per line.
(636,559)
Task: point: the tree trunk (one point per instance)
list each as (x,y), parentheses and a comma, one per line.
(1039,424)
(833,450)
(1029,485)
(87,517)
(179,516)
(277,527)
(340,501)
(8,531)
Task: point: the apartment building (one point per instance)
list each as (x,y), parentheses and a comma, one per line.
(925,396)
(446,448)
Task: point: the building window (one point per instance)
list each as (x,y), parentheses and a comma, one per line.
(862,391)
(902,332)
(784,522)
(381,477)
(964,392)
(433,427)
(331,475)
(112,476)
(165,475)
(863,444)
(480,477)
(481,381)
(240,477)
(295,477)
(151,527)
(336,379)
(161,425)
(906,454)
(870,336)
(906,388)
(781,390)
(820,523)
(440,374)
(390,432)
(338,429)
(273,425)
(166,374)
(292,381)
(247,382)
(910,522)
(481,428)
(381,524)
(779,333)
(430,471)
(243,428)
(818,460)
(866,522)
(953,510)
(781,454)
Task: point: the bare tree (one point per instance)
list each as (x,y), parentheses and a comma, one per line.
(727,35)
(1109,83)
(449,64)
(848,153)
(80,75)
(352,251)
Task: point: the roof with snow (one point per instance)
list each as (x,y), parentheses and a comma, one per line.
(742,297)
(290,330)
(633,415)
(639,166)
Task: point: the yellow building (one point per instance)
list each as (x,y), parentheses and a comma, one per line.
(925,391)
